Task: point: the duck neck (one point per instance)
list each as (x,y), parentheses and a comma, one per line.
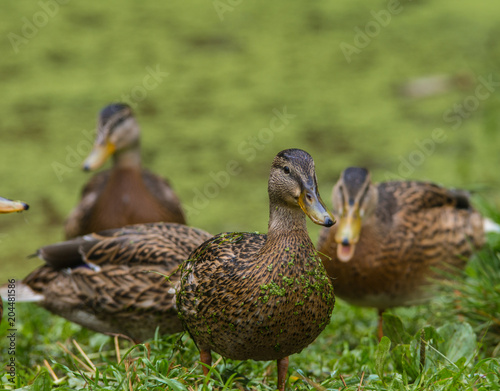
(128,158)
(284,219)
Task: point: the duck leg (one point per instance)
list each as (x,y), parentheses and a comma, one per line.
(206,358)
(282,370)
(380,333)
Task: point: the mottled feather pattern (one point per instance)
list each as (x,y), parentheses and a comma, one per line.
(127,292)
(145,244)
(417,228)
(273,304)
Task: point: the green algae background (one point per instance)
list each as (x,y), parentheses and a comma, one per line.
(219,87)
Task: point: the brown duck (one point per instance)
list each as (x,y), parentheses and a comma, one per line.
(9,206)
(262,297)
(392,237)
(125,194)
(114,281)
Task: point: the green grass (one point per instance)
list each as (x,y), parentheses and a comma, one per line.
(474,296)
(346,352)
(225,80)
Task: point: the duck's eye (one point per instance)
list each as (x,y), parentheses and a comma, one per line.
(286,170)
(119,121)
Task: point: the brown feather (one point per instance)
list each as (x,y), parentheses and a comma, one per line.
(269,306)
(121,197)
(119,284)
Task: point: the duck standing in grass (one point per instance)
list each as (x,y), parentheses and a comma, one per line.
(262,297)
(393,237)
(115,281)
(9,206)
(127,193)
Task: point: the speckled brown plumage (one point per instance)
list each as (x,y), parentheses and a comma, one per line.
(114,281)
(272,305)
(408,230)
(125,194)
(262,297)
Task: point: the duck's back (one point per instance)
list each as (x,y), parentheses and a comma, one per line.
(119,197)
(249,303)
(431,224)
(116,281)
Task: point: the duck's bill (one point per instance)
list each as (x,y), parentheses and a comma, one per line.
(98,156)
(312,205)
(9,206)
(347,234)
(345,252)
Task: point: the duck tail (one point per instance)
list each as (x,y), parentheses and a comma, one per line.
(21,292)
(490,226)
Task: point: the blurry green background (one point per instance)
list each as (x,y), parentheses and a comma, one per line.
(231,65)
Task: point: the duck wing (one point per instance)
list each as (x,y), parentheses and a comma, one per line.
(78,219)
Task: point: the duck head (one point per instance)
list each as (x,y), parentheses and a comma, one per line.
(293,184)
(354,198)
(117,131)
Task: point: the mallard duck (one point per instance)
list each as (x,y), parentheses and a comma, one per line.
(9,206)
(114,281)
(125,194)
(392,237)
(262,297)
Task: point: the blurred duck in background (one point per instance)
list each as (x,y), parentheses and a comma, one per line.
(127,193)
(119,281)
(393,238)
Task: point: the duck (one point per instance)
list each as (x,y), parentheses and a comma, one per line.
(259,296)
(125,194)
(116,282)
(394,238)
(10,206)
